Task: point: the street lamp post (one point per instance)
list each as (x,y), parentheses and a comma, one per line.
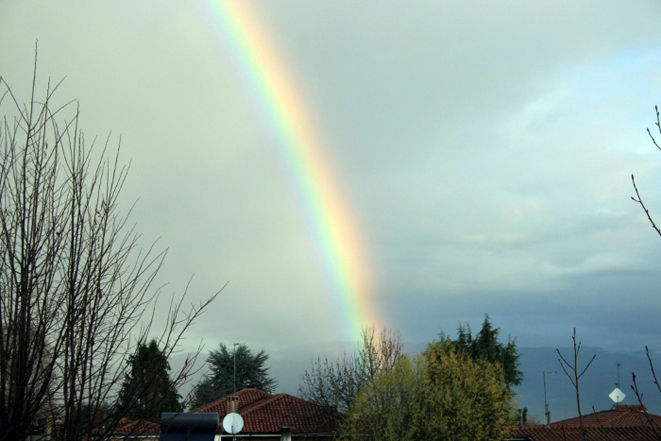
(546,406)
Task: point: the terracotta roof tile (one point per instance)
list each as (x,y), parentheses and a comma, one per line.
(593,433)
(265,413)
(246,398)
(127,426)
(620,415)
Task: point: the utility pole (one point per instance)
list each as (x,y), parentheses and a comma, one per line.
(546,405)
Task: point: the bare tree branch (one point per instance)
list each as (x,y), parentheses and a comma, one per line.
(649,359)
(658,126)
(638,199)
(76,286)
(575,376)
(335,383)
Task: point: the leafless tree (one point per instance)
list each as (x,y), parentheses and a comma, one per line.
(335,383)
(638,199)
(76,294)
(575,375)
(639,394)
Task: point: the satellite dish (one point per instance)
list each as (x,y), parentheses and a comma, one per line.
(617,395)
(233,423)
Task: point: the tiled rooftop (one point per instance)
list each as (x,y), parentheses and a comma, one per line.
(620,415)
(622,423)
(127,426)
(594,433)
(265,413)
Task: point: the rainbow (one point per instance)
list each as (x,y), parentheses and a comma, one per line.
(288,119)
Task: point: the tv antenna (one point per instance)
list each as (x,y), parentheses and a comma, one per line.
(617,395)
(546,406)
(235,345)
(618,374)
(233,422)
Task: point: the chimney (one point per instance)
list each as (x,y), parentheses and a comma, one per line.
(233,404)
(285,433)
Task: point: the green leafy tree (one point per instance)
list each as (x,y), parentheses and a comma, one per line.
(250,372)
(149,373)
(442,394)
(485,345)
(385,406)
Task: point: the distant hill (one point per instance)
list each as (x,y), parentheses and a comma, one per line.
(595,386)
(288,364)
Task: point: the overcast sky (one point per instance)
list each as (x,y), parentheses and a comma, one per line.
(484,149)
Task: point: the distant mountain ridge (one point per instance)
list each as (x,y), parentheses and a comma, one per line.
(288,364)
(595,386)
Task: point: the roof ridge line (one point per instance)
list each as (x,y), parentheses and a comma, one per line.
(259,403)
(212,403)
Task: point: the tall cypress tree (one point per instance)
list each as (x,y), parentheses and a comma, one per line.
(147,389)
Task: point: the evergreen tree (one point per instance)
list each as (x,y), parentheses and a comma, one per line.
(147,389)
(485,345)
(250,372)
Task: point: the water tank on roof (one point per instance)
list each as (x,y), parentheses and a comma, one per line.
(188,426)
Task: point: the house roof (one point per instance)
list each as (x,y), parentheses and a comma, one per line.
(619,415)
(246,398)
(126,426)
(266,413)
(592,433)
(621,423)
